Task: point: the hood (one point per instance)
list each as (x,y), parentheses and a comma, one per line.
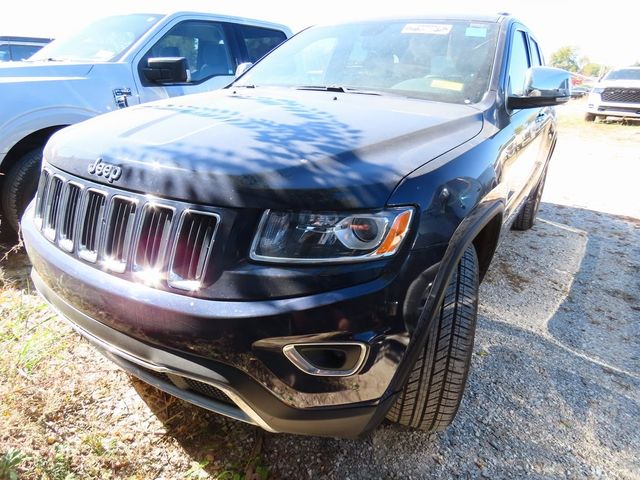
(42,71)
(267,148)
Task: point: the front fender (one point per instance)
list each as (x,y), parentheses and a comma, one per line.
(20,126)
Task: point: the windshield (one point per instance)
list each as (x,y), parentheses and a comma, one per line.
(447,61)
(101,41)
(624,74)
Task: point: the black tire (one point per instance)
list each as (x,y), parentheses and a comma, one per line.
(527,215)
(589,117)
(19,187)
(431,397)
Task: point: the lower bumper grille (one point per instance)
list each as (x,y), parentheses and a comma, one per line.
(196,386)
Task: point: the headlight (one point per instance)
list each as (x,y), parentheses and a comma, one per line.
(313,237)
(597,90)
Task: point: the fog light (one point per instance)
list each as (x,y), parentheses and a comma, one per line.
(327,359)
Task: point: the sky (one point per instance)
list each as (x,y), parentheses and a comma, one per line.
(601,31)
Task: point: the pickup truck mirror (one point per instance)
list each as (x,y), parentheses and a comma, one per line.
(166,70)
(544,87)
(243,67)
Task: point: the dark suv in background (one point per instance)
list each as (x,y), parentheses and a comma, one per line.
(302,250)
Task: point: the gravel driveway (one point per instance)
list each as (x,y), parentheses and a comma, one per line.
(554,389)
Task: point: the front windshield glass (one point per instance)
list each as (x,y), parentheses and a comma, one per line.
(101,41)
(624,74)
(447,61)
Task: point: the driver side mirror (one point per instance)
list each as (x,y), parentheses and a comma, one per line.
(544,87)
(166,70)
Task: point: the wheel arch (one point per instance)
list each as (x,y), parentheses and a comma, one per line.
(34,140)
(481,228)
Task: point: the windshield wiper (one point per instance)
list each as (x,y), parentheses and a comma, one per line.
(243,86)
(336,88)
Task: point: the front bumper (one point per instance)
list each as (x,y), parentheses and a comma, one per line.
(596,106)
(184,345)
(252,403)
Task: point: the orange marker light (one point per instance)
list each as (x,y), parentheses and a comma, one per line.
(396,234)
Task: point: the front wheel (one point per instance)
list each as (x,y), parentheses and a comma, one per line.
(431,397)
(589,117)
(20,187)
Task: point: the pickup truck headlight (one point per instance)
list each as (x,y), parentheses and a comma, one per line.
(315,237)
(597,90)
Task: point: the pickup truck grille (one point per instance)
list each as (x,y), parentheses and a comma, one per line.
(622,95)
(160,243)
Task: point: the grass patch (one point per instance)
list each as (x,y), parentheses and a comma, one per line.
(9,463)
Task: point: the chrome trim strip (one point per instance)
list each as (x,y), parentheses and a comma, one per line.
(302,364)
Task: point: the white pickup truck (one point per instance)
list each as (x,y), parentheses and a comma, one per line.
(113,63)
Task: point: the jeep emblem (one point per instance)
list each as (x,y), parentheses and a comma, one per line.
(106,170)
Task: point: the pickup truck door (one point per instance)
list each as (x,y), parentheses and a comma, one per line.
(524,133)
(211,57)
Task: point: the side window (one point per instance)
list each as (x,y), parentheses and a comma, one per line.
(518,63)
(203,44)
(5,54)
(536,55)
(260,41)
(22,52)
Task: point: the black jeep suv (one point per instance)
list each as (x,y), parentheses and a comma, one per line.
(302,250)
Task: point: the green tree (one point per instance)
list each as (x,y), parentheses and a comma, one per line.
(566,58)
(591,69)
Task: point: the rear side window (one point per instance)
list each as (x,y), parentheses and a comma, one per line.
(22,52)
(260,41)
(518,63)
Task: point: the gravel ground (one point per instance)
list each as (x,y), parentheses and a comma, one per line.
(554,389)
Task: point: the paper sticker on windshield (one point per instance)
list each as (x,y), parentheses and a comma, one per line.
(427,28)
(447,85)
(476,32)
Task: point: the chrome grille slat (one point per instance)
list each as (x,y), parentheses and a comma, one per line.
(193,246)
(119,232)
(90,225)
(153,237)
(43,185)
(52,207)
(165,244)
(71,202)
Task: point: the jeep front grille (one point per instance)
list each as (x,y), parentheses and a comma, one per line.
(621,95)
(126,233)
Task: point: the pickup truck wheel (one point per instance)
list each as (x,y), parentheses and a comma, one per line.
(527,216)
(589,117)
(20,187)
(431,397)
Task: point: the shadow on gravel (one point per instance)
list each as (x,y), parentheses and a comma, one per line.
(600,315)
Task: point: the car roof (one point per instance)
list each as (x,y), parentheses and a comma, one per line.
(7,38)
(497,18)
